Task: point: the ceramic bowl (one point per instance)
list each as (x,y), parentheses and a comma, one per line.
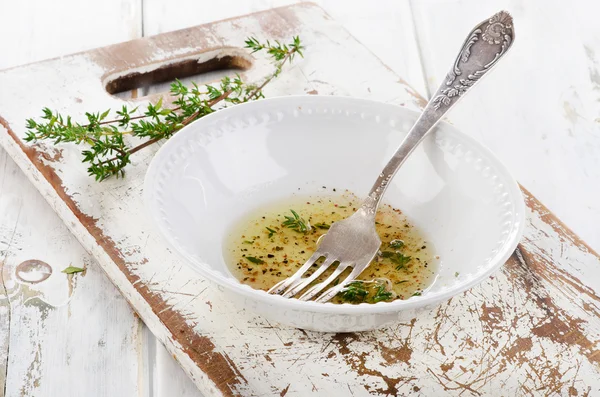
(224,165)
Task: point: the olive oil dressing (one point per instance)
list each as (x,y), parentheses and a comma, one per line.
(272,242)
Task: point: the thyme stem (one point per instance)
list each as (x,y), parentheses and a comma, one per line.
(109,154)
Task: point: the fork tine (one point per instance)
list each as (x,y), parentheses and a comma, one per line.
(284,284)
(293,290)
(277,287)
(317,288)
(333,291)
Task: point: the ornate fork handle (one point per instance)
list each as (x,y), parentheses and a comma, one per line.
(486,44)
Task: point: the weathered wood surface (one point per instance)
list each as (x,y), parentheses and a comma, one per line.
(68,336)
(395,41)
(532,328)
(46,323)
(47,30)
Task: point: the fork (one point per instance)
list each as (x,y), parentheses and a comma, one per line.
(353,242)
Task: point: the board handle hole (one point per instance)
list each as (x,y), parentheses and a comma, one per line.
(206,68)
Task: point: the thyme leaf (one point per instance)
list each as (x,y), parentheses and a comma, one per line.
(297,223)
(72,270)
(255,260)
(271,231)
(354,292)
(381,294)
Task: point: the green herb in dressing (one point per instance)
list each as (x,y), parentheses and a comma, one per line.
(272,242)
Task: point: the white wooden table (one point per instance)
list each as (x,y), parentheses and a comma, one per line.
(77,336)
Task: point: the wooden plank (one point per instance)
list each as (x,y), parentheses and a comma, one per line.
(533,326)
(73,335)
(539,111)
(34,30)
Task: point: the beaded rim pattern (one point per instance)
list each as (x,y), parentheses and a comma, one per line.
(178,149)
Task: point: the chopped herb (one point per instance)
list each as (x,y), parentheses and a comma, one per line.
(354,292)
(396,244)
(402,281)
(271,231)
(322,225)
(381,294)
(255,260)
(248,242)
(418,293)
(401,260)
(296,223)
(336,282)
(456,274)
(72,270)
(397,257)
(342,206)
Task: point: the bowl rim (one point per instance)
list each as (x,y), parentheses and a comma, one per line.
(233,285)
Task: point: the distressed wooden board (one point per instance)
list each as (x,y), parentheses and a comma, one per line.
(393,42)
(536,296)
(159,374)
(397,48)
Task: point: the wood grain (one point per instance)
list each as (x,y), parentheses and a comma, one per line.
(530,329)
(65,329)
(281,22)
(395,45)
(46,30)
(394,42)
(70,336)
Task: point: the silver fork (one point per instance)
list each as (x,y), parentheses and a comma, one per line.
(353,242)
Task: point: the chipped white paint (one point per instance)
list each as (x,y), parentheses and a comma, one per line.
(274,360)
(293,81)
(65,328)
(69,336)
(41,37)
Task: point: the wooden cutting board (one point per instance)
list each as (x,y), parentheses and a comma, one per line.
(532,328)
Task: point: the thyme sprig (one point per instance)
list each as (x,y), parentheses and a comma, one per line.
(381,294)
(357,292)
(296,222)
(397,257)
(271,231)
(354,292)
(108,139)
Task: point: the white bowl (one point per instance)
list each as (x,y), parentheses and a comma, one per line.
(226,164)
